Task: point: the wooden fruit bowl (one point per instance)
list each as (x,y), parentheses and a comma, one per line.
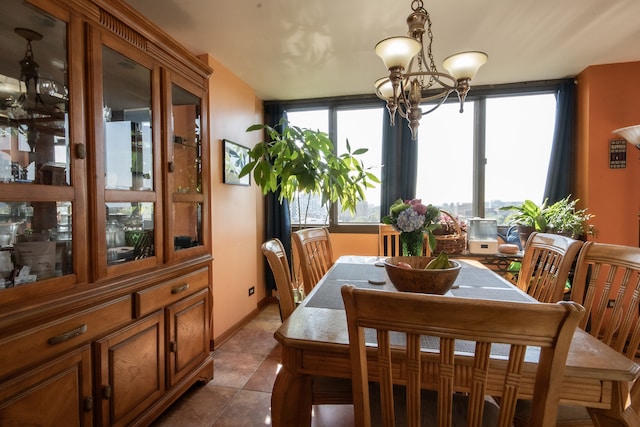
(417,279)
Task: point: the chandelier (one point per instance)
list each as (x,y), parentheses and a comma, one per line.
(35,83)
(41,101)
(413,77)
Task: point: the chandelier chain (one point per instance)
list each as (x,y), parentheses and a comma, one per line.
(432,64)
(418,6)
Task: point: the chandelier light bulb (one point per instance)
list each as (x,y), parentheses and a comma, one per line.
(465,65)
(397,51)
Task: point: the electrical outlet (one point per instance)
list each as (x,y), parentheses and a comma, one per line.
(252,290)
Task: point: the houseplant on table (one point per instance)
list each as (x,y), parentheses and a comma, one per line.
(528,217)
(413,220)
(563,218)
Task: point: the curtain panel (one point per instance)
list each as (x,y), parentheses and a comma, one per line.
(277,217)
(400,169)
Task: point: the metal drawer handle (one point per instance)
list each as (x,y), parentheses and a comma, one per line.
(106,392)
(67,335)
(88,404)
(180,288)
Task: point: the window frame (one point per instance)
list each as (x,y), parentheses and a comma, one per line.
(477,95)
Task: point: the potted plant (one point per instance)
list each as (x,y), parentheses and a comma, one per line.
(563,218)
(302,161)
(528,217)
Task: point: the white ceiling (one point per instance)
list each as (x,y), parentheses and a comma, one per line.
(294,49)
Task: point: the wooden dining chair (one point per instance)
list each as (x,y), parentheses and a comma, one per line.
(464,326)
(324,390)
(607,284)
(276,256)
(546,263)
(313,246)
(389,242)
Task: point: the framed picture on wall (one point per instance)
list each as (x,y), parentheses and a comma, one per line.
(236,157)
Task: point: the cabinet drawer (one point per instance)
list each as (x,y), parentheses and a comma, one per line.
(159,296)
(40,343)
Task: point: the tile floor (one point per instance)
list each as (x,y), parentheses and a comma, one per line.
(240,393)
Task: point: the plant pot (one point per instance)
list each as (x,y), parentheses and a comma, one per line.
(524,231)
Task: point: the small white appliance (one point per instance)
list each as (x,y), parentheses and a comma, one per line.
(483,236)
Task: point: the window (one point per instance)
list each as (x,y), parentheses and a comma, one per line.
(445,158)
(362,127)
(514,125)
(517,126)
(464,160)
(305,209)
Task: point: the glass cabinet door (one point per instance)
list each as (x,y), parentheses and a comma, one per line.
(36,193)
(187,169)
(129,184)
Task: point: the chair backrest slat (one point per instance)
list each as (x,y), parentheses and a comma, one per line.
(407,323)
(313,246)
(546,264)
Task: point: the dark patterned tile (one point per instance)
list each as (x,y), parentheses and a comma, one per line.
(233,369)
(276,352)
(268,320)
(198,407)
(264,377)
(248,409)
(332,416)
(250,341)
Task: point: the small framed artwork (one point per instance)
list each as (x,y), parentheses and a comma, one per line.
(617,154)
(236,157)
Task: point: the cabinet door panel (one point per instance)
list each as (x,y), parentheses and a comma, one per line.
(58,393)
(131,367)
(188,322)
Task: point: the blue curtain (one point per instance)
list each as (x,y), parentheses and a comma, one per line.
(400,169)
(278,221)
(558,185)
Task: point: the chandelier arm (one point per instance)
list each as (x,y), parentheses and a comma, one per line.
(442,100)
(437,77)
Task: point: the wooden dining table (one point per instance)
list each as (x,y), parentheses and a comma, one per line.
(315,342)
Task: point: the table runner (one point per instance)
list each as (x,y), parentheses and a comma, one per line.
(472,282)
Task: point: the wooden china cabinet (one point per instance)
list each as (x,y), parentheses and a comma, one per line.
(105,247)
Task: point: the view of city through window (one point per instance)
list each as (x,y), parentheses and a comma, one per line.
(515,125)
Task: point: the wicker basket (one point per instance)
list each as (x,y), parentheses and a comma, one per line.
(451,244)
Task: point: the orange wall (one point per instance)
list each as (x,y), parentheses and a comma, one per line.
(354,244)
(236,210)
(608,99)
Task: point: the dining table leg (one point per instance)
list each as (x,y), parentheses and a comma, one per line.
(291,398)
(623,411)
